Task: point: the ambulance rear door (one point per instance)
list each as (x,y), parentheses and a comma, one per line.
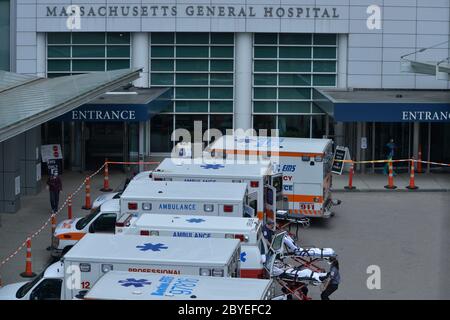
(270,203)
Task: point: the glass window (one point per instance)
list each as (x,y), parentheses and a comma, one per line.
(88,38)
(295,38)
(48,289)
(264,122)
(318,126)
(192,79)
(294,107)
(162,38)
(295,66)
(221,79)
(221,65)
(58,52)
(325,53)
(88,65)
(58,65)
(118,64)
(162,65)
(221,106)
(325,39)
(88,51)
(221,93)
(295,52)
(324,66)
(118,51)
(295,93)
(221,122)
(162,79)
(161,130)
(192,38)
(294,126)
(264,79)
(192,65)
(105,223)
(187,121)
(191,106)
(222,38)
(222,52)
(265,52)
(118,37)
(265,93)
(294,79)
(58,38)
(192,52)
(264,66)
(158,52)
(324,80)
(265,106)
(191,93)
(265,38)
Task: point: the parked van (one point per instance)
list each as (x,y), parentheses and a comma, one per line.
(305,164)
(120,285)
(96,254)
(247,230)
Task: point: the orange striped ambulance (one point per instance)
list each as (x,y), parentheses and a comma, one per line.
(305,164)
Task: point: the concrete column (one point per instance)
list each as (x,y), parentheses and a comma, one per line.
(416,140)
(140,57)
(10,179)
(41,62)
(342,57)
(30,164)
(243,81)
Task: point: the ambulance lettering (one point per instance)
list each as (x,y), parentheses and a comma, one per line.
(184,234)
(150,270)
(178,206)
(288,168)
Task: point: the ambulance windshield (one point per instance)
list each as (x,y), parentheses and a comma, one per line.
(83,222)
(23,290)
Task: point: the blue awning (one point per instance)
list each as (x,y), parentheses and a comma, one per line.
(385,105)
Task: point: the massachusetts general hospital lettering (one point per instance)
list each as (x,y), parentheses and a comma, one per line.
(195,11)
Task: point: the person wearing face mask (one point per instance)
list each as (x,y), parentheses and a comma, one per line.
(334,279)
(54,187)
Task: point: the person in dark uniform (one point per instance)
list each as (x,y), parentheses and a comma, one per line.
(334,279)
(54,186)
(267,231)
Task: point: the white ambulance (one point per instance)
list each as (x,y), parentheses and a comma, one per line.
(96,254)
(118,285)
(185,198)
(258,176)
(247,230)
(68,232)
(305,164)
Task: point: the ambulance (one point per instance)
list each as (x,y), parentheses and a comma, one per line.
(68,232)
(305,164)
(247,230)
(258,176)
(182,198)
(120,285)
(97,254)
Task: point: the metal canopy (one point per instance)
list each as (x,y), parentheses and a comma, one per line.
(384,105)
(440,70)
(26,102)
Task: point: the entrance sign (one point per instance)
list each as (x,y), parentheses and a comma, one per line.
(341,153)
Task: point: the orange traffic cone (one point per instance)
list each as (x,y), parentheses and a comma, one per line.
(350,178)
(106,187)
(412,184)
(391,177)
(28,268)
(87,203)
(53,223)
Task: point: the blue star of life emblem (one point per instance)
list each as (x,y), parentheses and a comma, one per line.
(137,283)
(152,247)
(212,166)
(243,256)
(195,220)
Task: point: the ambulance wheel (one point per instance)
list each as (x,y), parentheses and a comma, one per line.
(65,250)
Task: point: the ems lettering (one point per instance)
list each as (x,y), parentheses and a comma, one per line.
(288,168)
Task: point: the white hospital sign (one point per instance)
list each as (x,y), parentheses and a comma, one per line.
(235,11)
